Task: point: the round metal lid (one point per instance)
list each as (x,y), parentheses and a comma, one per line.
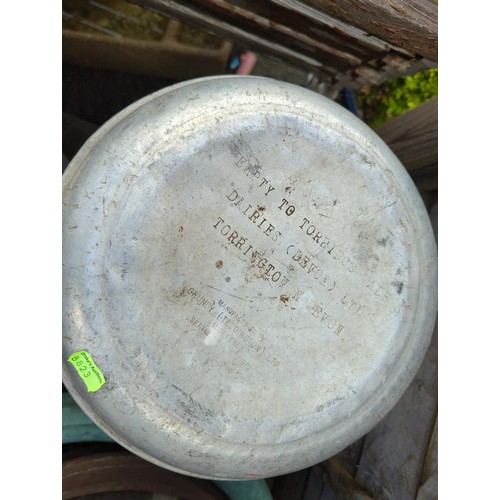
(252,270)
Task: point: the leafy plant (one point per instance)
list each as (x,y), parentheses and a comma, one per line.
(380,103)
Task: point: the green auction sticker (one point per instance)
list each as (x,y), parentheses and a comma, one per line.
(88,370)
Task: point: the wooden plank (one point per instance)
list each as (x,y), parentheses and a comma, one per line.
(394,452)
(418,119)
(413,136)
(411,24)
(345,30)
(166,58)
(299,34)
(265,23)
(189,15)
(394,66)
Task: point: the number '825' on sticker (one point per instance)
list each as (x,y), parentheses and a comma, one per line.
(88,370)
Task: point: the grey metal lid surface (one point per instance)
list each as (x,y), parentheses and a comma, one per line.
(252,270)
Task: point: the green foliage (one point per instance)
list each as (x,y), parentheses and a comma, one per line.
(394,97)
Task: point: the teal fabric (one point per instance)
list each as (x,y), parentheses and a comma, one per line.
(76,426)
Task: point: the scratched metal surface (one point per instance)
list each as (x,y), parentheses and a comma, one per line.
(252,270)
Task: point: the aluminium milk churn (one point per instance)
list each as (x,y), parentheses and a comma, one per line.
(249,278)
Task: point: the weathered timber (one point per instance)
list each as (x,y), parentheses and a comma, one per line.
(411,24)
(284,34)
(394,452)
(166,58)
(317,39)
(413,136)
(192,17)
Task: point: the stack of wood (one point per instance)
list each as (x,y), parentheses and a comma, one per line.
(346,43)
